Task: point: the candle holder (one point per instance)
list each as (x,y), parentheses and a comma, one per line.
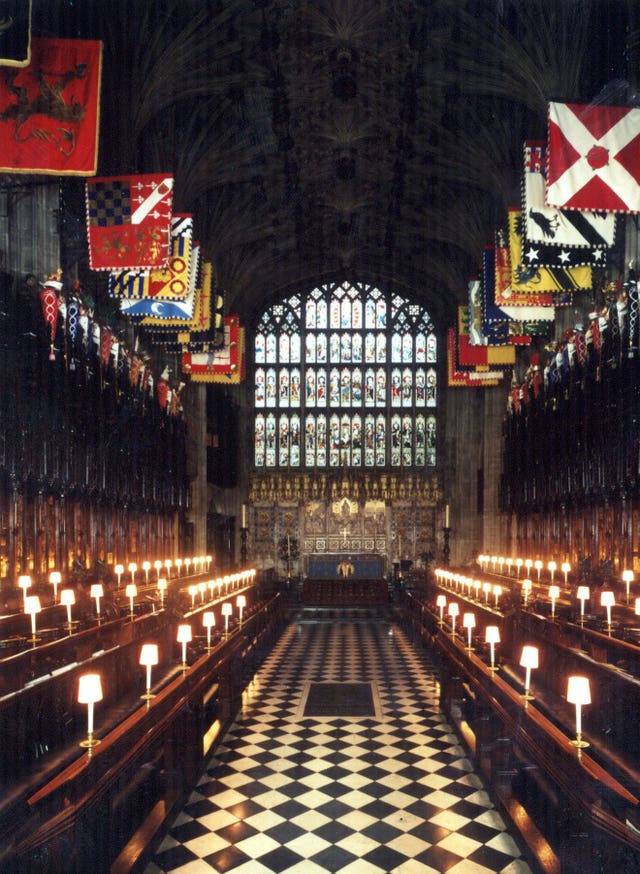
(529,661)
(162,588)
(184,637)
(627,579)
(554,594)
(608,600)
(441,603)
(97,592)
(227,610)
(446,548)
(469,622)
(149,658)
(131,591)
(241,603)
(453,610)
(32,607)
(55,578)
(492,636)
(583,595)
(68,598)
(208,620)
(89,693)
(579,693)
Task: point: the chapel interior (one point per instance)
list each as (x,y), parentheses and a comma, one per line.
(319,436)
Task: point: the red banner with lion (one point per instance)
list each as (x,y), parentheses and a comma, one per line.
(49,111)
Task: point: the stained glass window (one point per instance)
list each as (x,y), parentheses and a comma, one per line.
(345,374)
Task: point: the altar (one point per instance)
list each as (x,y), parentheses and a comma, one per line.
(332,566)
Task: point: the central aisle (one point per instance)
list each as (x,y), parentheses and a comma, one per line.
(388,792)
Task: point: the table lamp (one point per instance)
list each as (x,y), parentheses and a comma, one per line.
(469,622)
(227,610)
(131,591)
(184,637)
(32,608)
(529,661)
(68,598)
(55,578)
(208,620)
(149,658)
(89,693)
(579,693)
(492,636)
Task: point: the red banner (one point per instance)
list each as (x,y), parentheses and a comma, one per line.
(49,110)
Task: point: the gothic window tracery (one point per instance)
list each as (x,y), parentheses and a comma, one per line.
(345,375)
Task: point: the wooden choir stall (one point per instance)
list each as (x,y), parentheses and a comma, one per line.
(109,708)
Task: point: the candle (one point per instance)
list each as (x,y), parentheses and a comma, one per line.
(446,516)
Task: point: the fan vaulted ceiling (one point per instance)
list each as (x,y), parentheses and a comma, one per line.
(373,139)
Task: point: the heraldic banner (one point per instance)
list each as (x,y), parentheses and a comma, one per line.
(49,111)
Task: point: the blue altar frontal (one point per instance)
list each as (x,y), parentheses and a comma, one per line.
(327,567)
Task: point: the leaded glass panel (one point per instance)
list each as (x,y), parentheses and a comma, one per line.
(347,326)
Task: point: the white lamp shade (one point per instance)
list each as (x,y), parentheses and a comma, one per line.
(469,620)
(202,587)
(227,608)
(565,567)
(119,569)
(32,604)
(24,581)
(193,590)
(208,619)
(441,601)
(149,654)
(55,577)
(529,657)
(96,590)
(67,597)
(146,565)
(241,601)
(607,599)
(637,606)
(552,566)
(497,591)
(454,609)
(554,592)
(184,634)
(131,591)
(627,576)
(133,567)
(583,593)
(492,634)
(527,585)
(89,689)
(162,584)
(578,690)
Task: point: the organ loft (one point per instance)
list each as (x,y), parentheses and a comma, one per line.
(319,437)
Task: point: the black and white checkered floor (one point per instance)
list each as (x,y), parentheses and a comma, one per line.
(389,793)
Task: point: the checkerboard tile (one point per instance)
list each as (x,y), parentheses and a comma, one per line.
(395,795)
